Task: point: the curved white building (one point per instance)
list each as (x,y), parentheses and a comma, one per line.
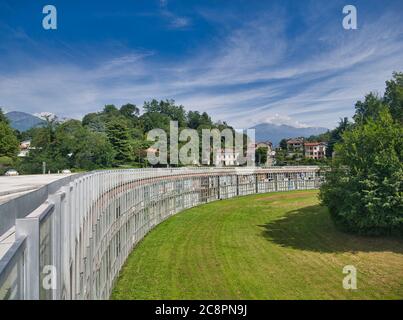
(69,239)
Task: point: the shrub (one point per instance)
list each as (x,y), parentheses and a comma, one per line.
(6,161)
(363,189)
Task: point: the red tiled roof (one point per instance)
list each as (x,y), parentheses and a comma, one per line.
(294,141)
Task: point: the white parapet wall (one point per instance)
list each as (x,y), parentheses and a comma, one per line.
(74,241)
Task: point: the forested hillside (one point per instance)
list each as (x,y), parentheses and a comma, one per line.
(112,137)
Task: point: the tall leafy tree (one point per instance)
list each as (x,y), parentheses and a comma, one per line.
(261,155)
(111,110)
(154,120)
(67,145)
(3,117)
(370,108)
(335,135)
(394,96)
(195,120)
(95,122)
(8,141)
(129,111)
(167,108)
(96,152)
(118,135)
(283,144)
(363,189)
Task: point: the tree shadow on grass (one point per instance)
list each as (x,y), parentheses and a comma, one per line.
(311,228)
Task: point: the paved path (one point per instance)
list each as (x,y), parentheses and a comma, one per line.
(12,187)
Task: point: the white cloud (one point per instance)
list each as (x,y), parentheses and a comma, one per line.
(278,119)
(174,21)
(179,22)
(253,74)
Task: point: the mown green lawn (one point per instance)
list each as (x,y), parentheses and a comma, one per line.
(270,246)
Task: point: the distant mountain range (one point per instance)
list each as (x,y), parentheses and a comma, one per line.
(23,121)
(274,133)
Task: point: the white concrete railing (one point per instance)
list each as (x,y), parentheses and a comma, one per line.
(73,245)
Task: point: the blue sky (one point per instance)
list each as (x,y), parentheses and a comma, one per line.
(244,62)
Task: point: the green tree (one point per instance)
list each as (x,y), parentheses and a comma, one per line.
(44,137)
(3,117)
(153,120)
(283,144)
(195,120)
(95,152)
(336,135)
(67,145)
(394,96)
(118,135)
(167,108)
(261,155)
(111,110)
(363,188)
(281,157)
(157,114)
(129,111)
(44,149)
(8,141)
(370,108)
(95,122)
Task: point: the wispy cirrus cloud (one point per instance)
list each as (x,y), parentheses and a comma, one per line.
(251,72)
(174,21)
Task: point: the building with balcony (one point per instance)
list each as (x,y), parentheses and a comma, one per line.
(295,145)
(315,150)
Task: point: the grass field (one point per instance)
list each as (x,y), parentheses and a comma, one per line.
(270,246)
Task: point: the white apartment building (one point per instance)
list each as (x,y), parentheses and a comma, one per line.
(315,150)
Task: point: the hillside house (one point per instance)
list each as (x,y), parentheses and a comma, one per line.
(315,150)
